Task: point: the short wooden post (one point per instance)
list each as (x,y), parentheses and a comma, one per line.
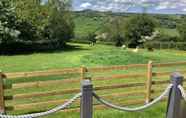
(2,102)
(148,82)
(86,99)
(83,72)
(174,102)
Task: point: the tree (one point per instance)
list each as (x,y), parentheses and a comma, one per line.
(8,20)
(31,11)
(115,30)
(61,26)
(91,37)
(136,27)
(182,29)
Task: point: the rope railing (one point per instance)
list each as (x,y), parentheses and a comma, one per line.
(35,115)
(165,93)
(87,93)
(182,92)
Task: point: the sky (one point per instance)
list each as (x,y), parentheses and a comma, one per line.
(135,6)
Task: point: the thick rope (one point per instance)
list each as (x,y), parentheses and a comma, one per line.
(34,115)
(182,92)
(165,93)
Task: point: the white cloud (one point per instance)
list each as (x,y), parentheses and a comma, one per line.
(165,5)
(184,10)
(85,5)
(127,5)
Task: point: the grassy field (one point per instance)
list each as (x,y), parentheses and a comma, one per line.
(157,112)
(86,23)
(84,55)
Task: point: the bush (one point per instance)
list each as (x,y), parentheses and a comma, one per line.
(182,29)
(114,30)
(61,27)
(136,27)
(28,32)
(91,37)
(8,31)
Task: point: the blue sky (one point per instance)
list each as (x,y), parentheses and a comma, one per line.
(137,6)
(152,6)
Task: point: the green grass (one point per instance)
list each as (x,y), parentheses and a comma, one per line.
(99,55)
(158,111)
(85,25)
(169,32)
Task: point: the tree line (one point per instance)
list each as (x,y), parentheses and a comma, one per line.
(29,25)
(135,30)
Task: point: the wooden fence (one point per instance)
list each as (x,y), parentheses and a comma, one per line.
(147,76)
(166,45)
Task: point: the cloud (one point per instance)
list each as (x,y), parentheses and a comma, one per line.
(159,6)
(85,5)
(184,9)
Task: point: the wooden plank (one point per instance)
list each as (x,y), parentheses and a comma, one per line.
(161,74)
(119,86)
(170,64)
(44,94)
(111,68)
(43,83)
(40,73)
(149,82)
(66,81)
(71,91)
(131,93)
(40,104)
(59,102)
(162,82)
(122,76)
(83,72)
(2,102)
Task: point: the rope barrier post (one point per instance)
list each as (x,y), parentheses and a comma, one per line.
(174,102)
(149,82)
(2,102)
(87,99)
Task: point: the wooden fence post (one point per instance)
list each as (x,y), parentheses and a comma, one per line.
(148,82)
(83,72)
(174,109)
(2,102)
(86,99)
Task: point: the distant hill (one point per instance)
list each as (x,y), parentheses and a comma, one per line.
(92,21)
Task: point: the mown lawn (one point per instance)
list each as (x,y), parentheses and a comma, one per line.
(84,55)
(158,111)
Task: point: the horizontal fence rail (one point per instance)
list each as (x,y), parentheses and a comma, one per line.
(143,80)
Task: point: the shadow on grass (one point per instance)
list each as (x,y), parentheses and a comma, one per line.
(28,50)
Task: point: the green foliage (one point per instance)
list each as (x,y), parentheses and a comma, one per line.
(29,32)
(136,27)
(114,57)
(8,31)
(91,37)
(115,30)
(33,26)
(32,11)
(182,29)
(61,26)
